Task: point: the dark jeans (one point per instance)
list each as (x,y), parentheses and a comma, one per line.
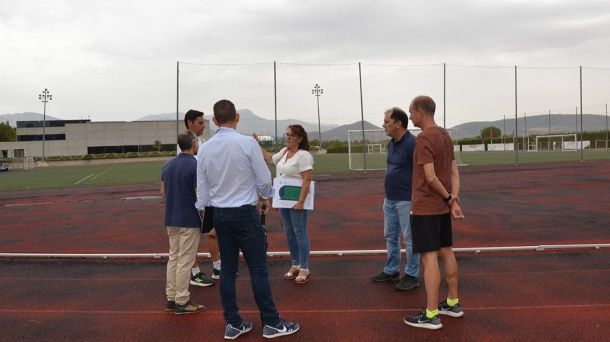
(240,228)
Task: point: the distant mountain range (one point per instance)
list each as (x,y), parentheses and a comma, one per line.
(27,116)
(536,124)
(250,122)
(340,133)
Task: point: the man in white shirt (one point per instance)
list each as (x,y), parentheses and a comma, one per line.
(232,177)
(195,123)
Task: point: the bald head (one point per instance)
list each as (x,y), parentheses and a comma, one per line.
(422,111)
(425,104)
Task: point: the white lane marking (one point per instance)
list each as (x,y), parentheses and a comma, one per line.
(26,204)
(141,198)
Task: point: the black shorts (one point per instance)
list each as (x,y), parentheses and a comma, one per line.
(431,232)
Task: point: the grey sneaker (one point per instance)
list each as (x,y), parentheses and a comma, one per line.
(407,283)
(383,277)
(189,308)
(420,320)
(453,311)
(232,332)
(200,279)
(282,328)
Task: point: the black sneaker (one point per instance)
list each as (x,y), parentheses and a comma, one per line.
(189,308)
(215,274)
(170,306)
(200,279)
(232,332)
(282,328)
(453,311)
(407,283)
(383,277)
(420,320)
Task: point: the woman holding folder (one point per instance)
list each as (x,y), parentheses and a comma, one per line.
(294,161)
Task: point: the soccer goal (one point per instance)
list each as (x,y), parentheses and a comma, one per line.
(602,144)
(375,148)
(556,142)
(23,163)
(368,149)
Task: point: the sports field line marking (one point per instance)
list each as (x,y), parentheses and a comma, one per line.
(330,311)
(83,179)
(26,204)
(103,172)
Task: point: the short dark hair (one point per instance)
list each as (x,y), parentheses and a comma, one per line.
(191,115)
(185,140)
(399,115)
(425,104)
(299,131)
(224,111)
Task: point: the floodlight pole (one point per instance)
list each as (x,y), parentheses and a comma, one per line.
(549,122)
(576,121)
(516,126)
(504,133)
(525,147)
(362,114)
(44,97)
(445,95)
(317,91)
(582,148)
(275,99)
(607,131)
(177,98)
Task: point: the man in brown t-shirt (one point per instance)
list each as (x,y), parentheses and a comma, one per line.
(436,184)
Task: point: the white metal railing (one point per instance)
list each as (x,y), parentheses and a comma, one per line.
(318,253)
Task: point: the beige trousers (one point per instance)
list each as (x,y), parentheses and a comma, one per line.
(183,244)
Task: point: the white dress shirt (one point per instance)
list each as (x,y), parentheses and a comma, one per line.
(231,171)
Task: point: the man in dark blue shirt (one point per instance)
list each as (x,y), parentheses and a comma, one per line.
(397,203)
(179,181)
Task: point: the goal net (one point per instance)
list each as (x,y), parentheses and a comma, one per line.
(556,142)
(368,149)
(23,163)
(602,144)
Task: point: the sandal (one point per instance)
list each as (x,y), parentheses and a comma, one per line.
(303,277)
(292,273)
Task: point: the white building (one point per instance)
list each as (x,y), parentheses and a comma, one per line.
(81,137)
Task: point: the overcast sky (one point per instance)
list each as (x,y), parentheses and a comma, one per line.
(116,60)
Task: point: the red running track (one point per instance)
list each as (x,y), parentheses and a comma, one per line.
(561,203)
(543,296)
(506,296)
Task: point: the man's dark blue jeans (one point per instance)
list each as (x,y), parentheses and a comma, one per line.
(240,228)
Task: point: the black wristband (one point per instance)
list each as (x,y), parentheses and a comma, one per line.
(449,197)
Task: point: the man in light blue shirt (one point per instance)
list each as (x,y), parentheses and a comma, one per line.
(232,177)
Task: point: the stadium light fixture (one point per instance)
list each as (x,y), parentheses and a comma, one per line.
(44,97)
(317,91)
